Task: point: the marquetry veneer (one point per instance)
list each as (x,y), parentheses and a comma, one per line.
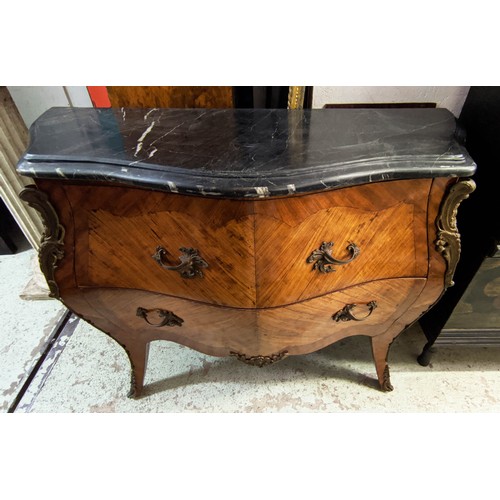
(228,268)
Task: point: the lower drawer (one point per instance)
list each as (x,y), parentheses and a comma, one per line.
(367,309)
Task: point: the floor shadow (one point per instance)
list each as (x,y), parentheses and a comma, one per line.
(227,370)
(329,363)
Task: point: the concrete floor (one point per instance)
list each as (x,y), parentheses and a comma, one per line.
(25,326)
(87,372)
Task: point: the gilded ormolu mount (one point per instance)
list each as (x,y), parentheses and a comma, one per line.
(448,238)
(346,314)
(324,260)
(51,246)
(166,318)
(259,361)
(191,263)
(386,385)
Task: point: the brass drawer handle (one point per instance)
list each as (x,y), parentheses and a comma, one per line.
(167,318)
(191,263)
(324,260)
(345,314)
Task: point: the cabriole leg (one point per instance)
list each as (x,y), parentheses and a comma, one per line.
(138,354)
(380,350)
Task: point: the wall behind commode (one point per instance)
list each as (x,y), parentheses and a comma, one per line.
(452,98)
(33,101)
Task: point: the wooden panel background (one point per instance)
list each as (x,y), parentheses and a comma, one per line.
(171,97)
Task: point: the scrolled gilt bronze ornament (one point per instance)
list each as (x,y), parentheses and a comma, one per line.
(386,384)
(259,361)
(448,238)
(324,260)
(191,263)
(51,246)
(167,318)
(346,314)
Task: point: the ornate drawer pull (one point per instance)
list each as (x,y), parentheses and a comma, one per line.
(345,314)
(168,318)
(325,260)
(191,263)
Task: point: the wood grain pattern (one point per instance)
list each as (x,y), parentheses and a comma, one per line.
(307,326)
(297,329)
(117,230)
(434,287)
(431,292)
(387,221)
(259,297)
(256,249)
(300,328)
(170,97)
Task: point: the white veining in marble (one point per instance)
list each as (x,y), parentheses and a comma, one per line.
(245,153)
(172,187)
(141,139)
(148,113)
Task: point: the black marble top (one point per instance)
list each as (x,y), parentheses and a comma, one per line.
(244,152)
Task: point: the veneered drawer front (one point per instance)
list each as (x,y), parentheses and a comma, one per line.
(315,323)
(386,222)
(297,329)
(118,230)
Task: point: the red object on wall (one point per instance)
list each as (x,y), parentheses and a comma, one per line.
(99,97)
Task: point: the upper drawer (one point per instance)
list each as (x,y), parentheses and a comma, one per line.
(385,224)
(119,230)
(249,253)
